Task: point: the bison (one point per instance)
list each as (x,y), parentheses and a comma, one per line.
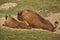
(13,23)
(35,20)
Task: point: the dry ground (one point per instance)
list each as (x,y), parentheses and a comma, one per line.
(6,6)
(53,18)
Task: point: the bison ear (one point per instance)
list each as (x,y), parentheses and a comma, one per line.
(20,13)
(6,17)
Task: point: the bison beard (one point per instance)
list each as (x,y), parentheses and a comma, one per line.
(35,20)
(13,23)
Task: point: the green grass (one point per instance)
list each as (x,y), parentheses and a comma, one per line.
(28,34)
(44,6)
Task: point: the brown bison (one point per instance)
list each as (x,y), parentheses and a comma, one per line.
(35,20)
(13,23)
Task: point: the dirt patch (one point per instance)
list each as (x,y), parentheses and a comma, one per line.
(55,17)
(6,6)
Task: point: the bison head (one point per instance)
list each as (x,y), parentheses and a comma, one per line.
(8,21)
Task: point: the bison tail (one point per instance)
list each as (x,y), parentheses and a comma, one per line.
(55,26)
(55,23)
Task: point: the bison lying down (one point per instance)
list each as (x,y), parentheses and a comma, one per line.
(11,22)
(35,20)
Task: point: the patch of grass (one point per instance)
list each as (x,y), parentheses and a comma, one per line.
(28,34)
(3,1)
(44,6)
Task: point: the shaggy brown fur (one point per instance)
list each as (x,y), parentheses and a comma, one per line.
(35,20)
(13,23)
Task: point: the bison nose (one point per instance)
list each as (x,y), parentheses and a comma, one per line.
(3,25)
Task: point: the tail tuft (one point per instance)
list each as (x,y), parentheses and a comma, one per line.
(56,23)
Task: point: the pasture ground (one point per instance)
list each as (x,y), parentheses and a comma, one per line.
(49,9)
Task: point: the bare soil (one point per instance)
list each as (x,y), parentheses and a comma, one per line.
(55,17)
(6,6)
